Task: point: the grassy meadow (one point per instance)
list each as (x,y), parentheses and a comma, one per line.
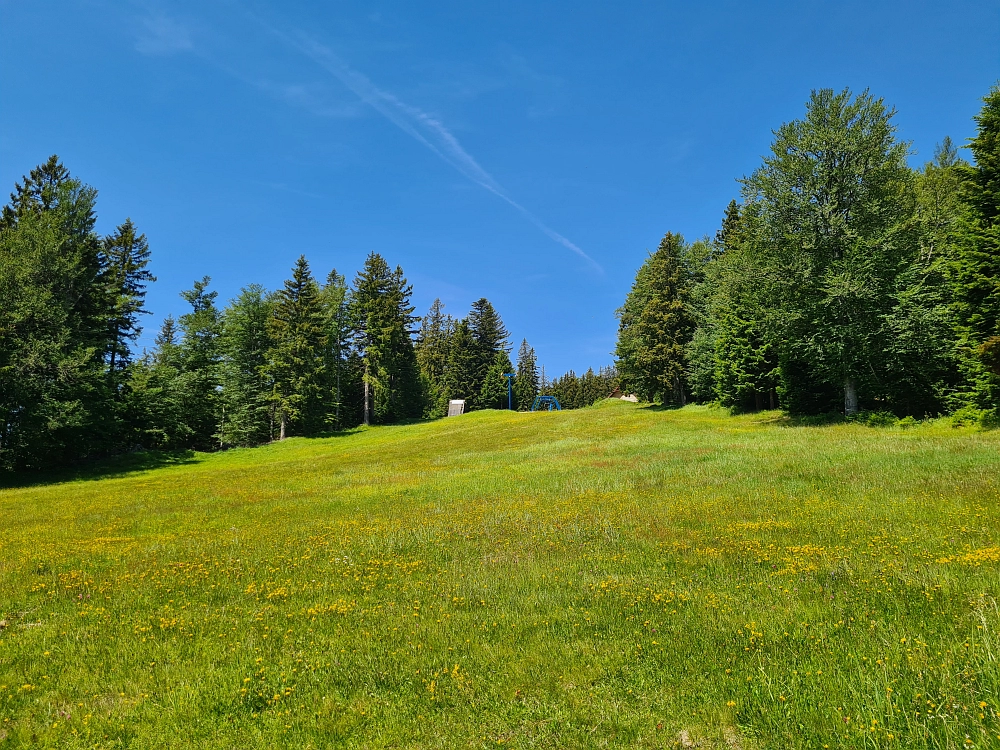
(617,576)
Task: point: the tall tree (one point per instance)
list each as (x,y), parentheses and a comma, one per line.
(526,383)
(493,391)
(126,256)
(197,385)
(245,344)
(461,378)
(490,336)
(53,394)
(656,325)
(383,318)
(834,194)
(977,264)
(432,348)
(297,357)
(336,304)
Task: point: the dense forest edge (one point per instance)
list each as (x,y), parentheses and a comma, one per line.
(843,282)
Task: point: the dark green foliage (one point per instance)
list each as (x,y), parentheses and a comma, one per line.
(126,255)
(493,390)
(245,344)
(461,378)
(527,381)
(432,349)
(656,325)
(382,317)
(297,358)
(336,309)
(976,268)
(53,333)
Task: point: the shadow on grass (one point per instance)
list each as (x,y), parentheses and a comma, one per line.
(105,468)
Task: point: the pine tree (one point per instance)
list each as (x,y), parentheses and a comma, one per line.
(493,391)
(461,379)
(490,336)
(656,326)
(54,399)
(197,385)
(383,318)
(976,274)
(526,383)
(336,304)
(432,349)
(298,352)
(245,344)
(126,255)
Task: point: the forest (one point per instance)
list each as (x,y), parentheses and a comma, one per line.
(843,282)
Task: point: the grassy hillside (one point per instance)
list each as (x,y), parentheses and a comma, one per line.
(611,577)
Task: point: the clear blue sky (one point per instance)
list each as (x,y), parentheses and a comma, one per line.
(527,152)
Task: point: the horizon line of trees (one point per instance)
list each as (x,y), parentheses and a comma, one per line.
(843,281)
(306,359)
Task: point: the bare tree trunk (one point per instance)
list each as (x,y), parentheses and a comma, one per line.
(758,402)
(774,399)
(366,393)
(850,397)
(281,434)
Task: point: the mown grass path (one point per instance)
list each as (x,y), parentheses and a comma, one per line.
(610,577)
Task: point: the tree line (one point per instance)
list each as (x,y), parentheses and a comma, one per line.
(308,358)
(843,281)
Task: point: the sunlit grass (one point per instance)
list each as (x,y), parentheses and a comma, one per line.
(612,576)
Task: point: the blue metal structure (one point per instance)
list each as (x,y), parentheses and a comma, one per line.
(547,402)
(510,391)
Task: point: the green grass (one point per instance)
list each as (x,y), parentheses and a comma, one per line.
(609,577)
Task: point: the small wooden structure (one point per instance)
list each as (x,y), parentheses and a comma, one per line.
(456,406)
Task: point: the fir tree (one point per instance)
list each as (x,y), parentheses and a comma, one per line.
(245,344)
(197,385)
(493,391)
(656,325)
(526,383)
(336,304)
(297,357)
(461,379)
(126,255)
(432,349)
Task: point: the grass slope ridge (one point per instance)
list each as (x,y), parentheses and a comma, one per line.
(613,576)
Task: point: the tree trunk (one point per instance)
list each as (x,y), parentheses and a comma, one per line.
(281,434)
(774,399)
(850,397)
(758,402)
(366,393)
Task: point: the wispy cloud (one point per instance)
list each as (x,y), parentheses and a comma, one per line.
(426,129)
(161,35)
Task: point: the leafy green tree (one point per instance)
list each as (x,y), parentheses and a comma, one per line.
(526,383)
(298,330)
(656,325)
(245,343)
(834,197)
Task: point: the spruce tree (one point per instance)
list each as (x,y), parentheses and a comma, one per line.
(977,264)
(526,383)
(490,336)
(656,326)
(493,391)
(126,256)
(245,344)
(382,317)
(461,379)
(432,349)
(298,354)
(197,385)
(336,305)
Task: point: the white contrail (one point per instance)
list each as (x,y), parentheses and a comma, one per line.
(425,129)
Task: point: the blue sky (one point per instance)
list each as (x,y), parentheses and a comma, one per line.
(527,152)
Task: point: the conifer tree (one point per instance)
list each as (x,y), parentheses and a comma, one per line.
(490,336)
(383,318)
(245,344)
(461,379)
(336,304)
(197,385)
(298,352)
(432,349)
(526,383)
(126,256)
(656,325)
(977,265)
(493,391)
